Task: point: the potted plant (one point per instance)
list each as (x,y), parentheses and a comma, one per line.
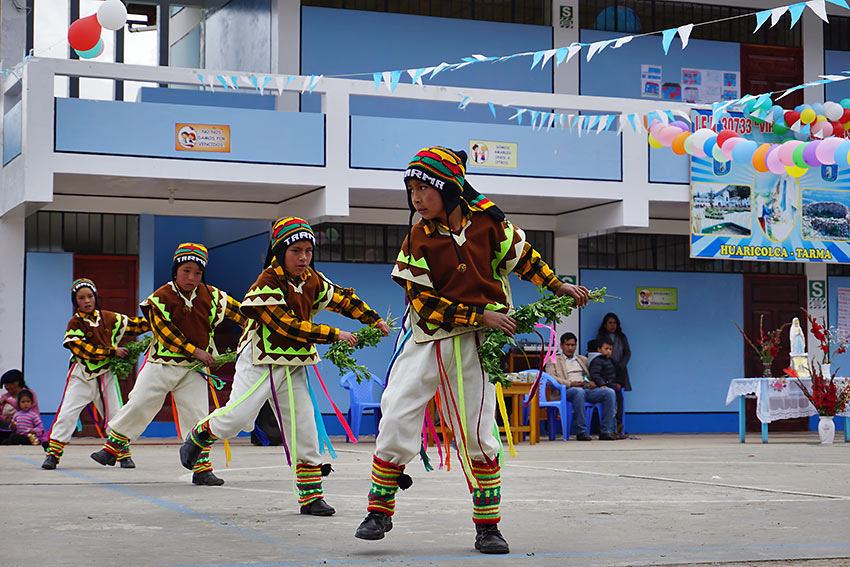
(766,346)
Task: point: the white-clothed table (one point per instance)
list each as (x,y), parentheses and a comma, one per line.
(774,400)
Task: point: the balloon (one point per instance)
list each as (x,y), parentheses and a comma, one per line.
(820,118)
(795,171)
(799,107)
(708,146)
(681,125)
(825,152)
(112,14)
(93,52)
(833,110)
(724,135)
(810,154)
(743,151)
(749,106)
(779,129)
(689,144)
(667,134)
(845,103)
(678,144)
(772,160)
(791,117)
(837,128)
(841,154)
(765,103)
(729,146)
(717,154)
(759,158)
(807,116)
(777,112)
(845,116)
(654,143)
(655,128)
(818,108)
(84,33)
(804,133)
(821,130)
(798,155)
(786,151)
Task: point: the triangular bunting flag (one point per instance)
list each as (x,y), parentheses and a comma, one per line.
(235,81)
(538,56)
(388,79)
(378,77)
(463,104)
(254,82)
(572,50)
(439,68)
(561,118)
(631,119)
(623,41)
(223,81)
(685,33)
(547,56)
(315,82)
(842,3)
(594,48)
(534,114)
(667,38)
(416,75)
(571,121)
(777,13)
(543,117)
(551,121)
(579,123)
(796,10)
(200,78)
(394,77)
(266,81)
(819,8)
(560,53)
(603,124)
(593,122)
(279,82)
(492,108)
(761,18)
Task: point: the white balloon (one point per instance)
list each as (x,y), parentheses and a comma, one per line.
(112,15)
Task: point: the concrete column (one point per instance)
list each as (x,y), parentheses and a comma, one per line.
(565,31)
(818,302)
(566,264)
(286,46)
(12,256)
(147,285)
(813,58)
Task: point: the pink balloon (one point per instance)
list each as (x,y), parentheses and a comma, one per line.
(728,146)
(772,160)
(825,151)
(667,134)
(821,130)
(786,152)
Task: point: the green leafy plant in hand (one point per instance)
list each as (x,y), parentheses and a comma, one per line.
(122,367)
(548,309)
(342,354)
(226,357)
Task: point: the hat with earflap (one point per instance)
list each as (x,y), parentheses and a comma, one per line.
(77,285)
(286,232)
(190,252)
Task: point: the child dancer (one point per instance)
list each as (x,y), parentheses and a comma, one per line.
(454,267)
(183,315)
(93,336)
(28,429)
(277,344)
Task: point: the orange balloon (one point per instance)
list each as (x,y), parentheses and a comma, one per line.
(678,145)
(758,158)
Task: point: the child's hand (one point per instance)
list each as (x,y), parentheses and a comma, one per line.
(579,292)
(204,357)
(498,321)
(121,352)
(383,327)
(349,338)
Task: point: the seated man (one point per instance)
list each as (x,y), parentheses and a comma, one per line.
(572,370)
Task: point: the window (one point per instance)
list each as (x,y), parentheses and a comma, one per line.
(83,233)
(534,12)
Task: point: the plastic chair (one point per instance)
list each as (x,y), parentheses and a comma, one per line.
(562,406)
(588,413)
(362,399)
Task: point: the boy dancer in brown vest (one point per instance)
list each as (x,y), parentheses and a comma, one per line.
(276,346)
(183,315)
(454,267)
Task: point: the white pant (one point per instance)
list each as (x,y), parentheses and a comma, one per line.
(80,392)
(414,379)
(153,384)
(240,413)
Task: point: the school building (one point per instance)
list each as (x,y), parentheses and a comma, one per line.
(205,120)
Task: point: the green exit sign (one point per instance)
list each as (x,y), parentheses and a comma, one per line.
(568,279)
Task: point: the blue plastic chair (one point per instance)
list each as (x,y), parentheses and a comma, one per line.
(362,398)
(562,406)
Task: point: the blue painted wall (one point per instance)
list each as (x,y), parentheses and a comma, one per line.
(835,282)
(47,309)
(834,63)
(207,98)
(389,142)
(682,360)
(343,42)
(87,126)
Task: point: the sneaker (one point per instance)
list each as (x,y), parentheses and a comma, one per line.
(189,454)
(583,437)
(104,457)
(488,539)
(318,508)
(127,463)
(609,436)
(50,462)
(206,478)
(374,526)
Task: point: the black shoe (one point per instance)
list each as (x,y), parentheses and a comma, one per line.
(50,462)
(104,457)
(609,436)
(374,526)
(127,463)
(189,453)
(488,539)
(318,508)
(583,437)
(206,478)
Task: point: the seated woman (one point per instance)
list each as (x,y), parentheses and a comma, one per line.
(13,382)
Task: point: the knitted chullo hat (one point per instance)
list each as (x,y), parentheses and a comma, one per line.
(445,170)
(77,285)
(286,232)
(189,252)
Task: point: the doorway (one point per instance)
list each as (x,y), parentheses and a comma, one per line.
(768,69)
(772,301)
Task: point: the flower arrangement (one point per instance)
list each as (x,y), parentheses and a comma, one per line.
(767,345)
(829,397)
(833,341)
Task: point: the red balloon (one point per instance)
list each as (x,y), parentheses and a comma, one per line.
(84,33)
(791,117)
(846,116)
(725,135)
(837,128)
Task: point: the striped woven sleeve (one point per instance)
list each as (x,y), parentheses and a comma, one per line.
(531,267)
(169,336)
(282,320)
(345,302)
(440,311)
(87,351)
(137,326)
(232,312)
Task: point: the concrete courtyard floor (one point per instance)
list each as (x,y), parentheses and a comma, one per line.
(655,500)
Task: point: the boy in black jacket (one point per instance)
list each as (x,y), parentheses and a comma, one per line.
(602,372)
